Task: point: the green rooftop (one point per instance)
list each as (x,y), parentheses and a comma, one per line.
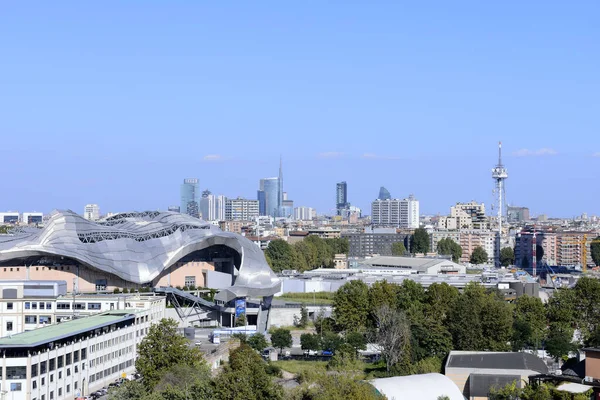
(63,330)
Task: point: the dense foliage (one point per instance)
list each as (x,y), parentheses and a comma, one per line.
(398,249)
(479,256)
(448,246)
(419,241)
(312,252)
(507,256)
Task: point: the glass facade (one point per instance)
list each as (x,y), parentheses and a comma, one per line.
(272,199)
(190,197)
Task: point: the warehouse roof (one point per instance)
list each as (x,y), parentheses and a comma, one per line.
(496,360)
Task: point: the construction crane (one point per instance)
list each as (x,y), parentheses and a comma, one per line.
(584,247)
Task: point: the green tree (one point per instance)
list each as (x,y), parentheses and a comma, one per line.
(529,323)
(419,241)
(162,349)
(129,390)
(322,323)
(241,320)
(324,252)
(303,322)
(258,342)
(308,253)
(310,341)
(331,341)
(351,305)
(345,360)
(382,293)
(595,250)
(448,246)
(479,256)
(356,340)
(186,382)
(282,256)
(338,245)
(245,378)
(281,338)
(507,256)
(335,387)
(440,299)
(398,249)
(392,334)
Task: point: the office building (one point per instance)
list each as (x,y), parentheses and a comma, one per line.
(190,197)
(241,209)
(74,358)
(26,305)
(517,214)
(91,212)
(395,213)
(377,241)
(220,203)
(341,197)
(271,196)
(32,218)
(303,213)
(9,218)
(384,194)
(261,197)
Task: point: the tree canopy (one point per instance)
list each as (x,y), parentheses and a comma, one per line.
(595,250)
(448,246)
(419,241)
(309,253)
(162,349)
(398,249)
(479,256)
(507,256)
(281,338)
(351,305)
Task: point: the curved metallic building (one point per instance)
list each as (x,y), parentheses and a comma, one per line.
(137,247)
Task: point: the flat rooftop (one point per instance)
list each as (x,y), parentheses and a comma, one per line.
(63,330)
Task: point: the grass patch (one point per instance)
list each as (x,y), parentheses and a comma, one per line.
(320,298)
(301,366)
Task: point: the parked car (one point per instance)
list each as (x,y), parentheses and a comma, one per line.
(327,353)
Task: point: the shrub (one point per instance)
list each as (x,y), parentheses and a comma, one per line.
(116,291)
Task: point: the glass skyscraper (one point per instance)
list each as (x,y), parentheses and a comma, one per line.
(190,197)
(270,195)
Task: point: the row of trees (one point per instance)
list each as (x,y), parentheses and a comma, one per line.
(171,370)
(310,253)
(440,318)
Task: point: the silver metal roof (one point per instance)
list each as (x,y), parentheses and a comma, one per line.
(138,246)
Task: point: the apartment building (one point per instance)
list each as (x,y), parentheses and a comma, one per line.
(395,212)
(469,240)
(241,209)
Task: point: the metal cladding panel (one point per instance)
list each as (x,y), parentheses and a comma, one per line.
(137,247)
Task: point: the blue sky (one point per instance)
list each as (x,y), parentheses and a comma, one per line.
(115,103)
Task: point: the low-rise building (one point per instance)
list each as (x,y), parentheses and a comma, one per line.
(417,265)
(476,372)
(74,358)
(28,305)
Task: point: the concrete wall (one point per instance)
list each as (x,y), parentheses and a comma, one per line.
(592,364)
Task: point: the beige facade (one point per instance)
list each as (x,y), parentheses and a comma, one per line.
(473,239)
(92,280)
(340,261)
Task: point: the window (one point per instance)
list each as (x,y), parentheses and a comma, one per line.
(34,305)
(9,306)
(43,368)
(83,354)
(59,374)
(27,305)
(190,281)
(34,385)
(34,370)
(51,395)
(94,306)
(68,359)
(60,361)
(16,373)
(79,306)
(9,326)
(48,306)
(51,378)
(76,356)
(76,369)
(45,319)
(30,319)
(15,387)
(75,385)
(68,371)
(41,305)
(68,388)
(59,392)
(52,364)
(63,306)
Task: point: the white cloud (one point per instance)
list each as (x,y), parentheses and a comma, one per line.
(596,155)
(330,154)
(545,151)
(212,157)
(373,156)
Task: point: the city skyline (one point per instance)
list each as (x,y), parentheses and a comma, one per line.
(409,97)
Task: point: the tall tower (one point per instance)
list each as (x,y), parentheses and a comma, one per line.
(499,174)
(280,192)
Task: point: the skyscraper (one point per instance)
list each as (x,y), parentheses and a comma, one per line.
(384,194)
(396,213)
(341,197)
(270,195)
(190,197)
